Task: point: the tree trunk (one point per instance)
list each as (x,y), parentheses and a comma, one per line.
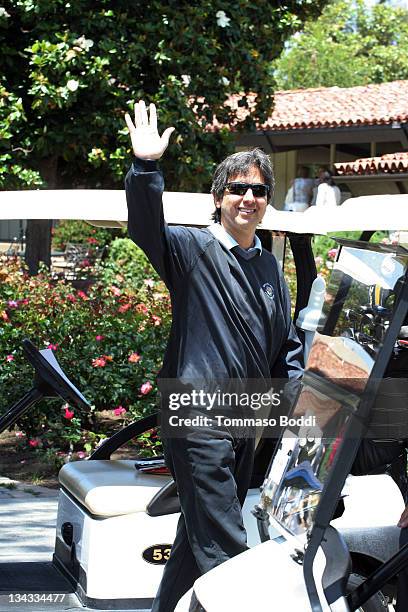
(38,244)
(38,234)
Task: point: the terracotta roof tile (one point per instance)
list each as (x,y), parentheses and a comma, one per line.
(391,163)
(331,107)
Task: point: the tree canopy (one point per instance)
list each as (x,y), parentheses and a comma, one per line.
(71,69)
(349,44)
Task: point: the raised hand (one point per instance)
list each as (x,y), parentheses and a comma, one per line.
(146,142)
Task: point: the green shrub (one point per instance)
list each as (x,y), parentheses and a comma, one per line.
(80,232)
(109,340)
(127,264)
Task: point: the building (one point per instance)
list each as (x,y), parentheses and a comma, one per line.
(351,130)
(333,125)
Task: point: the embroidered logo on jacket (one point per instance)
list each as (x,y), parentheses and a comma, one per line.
(268,289)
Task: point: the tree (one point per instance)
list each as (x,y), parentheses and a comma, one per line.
(349,44)
(71,69)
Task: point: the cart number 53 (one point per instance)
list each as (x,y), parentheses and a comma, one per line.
(157,554)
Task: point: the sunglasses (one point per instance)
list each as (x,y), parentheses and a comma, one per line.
(259,190)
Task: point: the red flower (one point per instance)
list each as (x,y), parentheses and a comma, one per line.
(71,298)
(33,443)
(83,295)
(99,362)
(92,240)
(119,411)
(68,414)
(53,347)
(146,388)
(10,358)
(134,357)
(124,307)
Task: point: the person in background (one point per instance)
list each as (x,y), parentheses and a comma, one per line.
(299,194)
(327,194)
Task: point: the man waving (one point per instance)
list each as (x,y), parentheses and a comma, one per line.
(231,320)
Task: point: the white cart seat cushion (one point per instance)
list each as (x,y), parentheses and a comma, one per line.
(110,488)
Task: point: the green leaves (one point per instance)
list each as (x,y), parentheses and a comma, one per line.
(109,339)
(77,66)
(349,44)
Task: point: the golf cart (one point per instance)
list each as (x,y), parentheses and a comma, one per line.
(311,546)
(115,523)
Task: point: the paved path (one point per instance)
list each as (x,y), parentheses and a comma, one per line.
(27,516)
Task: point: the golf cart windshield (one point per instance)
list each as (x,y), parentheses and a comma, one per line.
(358,309)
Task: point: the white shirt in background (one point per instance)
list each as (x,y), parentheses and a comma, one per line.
(328,195)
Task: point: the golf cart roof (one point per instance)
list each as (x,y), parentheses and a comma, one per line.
(108,208)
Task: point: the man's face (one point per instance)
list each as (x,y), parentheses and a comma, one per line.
(240,215)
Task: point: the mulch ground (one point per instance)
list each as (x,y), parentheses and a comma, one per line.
(24,464)
(19,462)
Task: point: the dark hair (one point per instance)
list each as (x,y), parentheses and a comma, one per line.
(303,172)
(241,163)
(327,177)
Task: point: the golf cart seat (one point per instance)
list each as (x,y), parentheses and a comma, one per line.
(108,487)
(103,506)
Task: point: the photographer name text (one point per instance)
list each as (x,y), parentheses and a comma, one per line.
(227,421)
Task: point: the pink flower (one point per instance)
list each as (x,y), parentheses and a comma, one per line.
(33,443)
(71,298)
(53,347)
(12,304)
(134,357)
(85,263)
(119,411)
(19,434)
(124,307)
(115,290)
(156,320)
(332,253)
(10,358)
(99,338)
(318,260)
(68,414)
(99,362)
(146,388)
(92,241)
(83,295)
(24,301)
(81,455)
(149,282)
(141,308)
